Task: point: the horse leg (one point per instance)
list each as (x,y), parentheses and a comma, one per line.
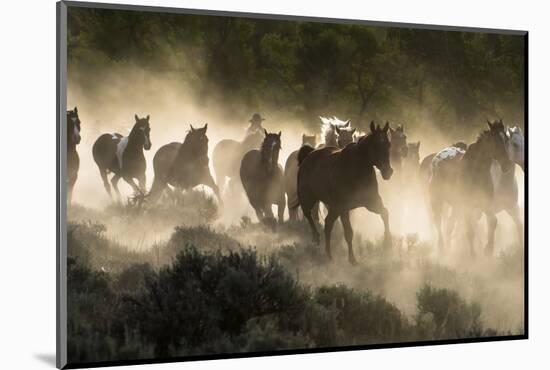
(281,204)
(329,223)
(377,206)
(142,181)
(513,211)
(114,183)
(307,210)
(103,173)
(132,183)
(268,211)
(491,227)
(209,181)
(348,234)
(259,214)
(470,232)
(292,214)
(70,187)
(437,208)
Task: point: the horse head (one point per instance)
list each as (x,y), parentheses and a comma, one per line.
(413,152)
(516,146)
(270,150)
(497,146)
(398,142)
(141,132)
(197,141)
(376,148)
(73,126)
(345,134)
(310,140)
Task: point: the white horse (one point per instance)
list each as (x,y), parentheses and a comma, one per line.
(335,132)
(505,183)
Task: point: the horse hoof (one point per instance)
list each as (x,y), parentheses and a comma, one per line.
(352,261)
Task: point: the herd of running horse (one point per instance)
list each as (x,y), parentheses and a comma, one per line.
(461,181)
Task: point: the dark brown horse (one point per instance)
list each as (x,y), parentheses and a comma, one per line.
(344,179)
(73,160)
(183,165)
(399,148)
(124,156)
(262,178)
(227,155)
(291,176)
(464,182)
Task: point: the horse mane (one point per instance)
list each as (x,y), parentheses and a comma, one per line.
(327,127)
(263,146)
(186,152)
(483,135)
(472,150)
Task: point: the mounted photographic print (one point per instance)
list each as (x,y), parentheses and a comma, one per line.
(235,185)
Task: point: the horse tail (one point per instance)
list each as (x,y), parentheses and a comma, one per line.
(304,151)
(293,201)
(156,190)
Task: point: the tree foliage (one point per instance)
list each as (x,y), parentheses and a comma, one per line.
(310,68)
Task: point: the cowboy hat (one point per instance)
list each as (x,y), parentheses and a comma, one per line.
(256,117)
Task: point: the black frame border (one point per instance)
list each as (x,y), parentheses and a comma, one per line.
(61,214)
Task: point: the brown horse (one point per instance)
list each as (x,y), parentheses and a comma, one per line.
(463,180)
(183,165)
(124,156)
(73,160)
(399,147)
(344,179)
(262,178)
(291,176)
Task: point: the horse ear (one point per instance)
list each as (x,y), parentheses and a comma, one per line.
(279,134)
(147,118)
(205,127)
(265,132)
(76,110)
(136,117)
(353,130)
(418,145)
(192,128)
(386,127)
(348,123)
(372,128)
(337,129)
(490,124)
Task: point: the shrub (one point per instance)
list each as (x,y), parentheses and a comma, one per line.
(202,296)
(89,311)
(443,314)
(360,318)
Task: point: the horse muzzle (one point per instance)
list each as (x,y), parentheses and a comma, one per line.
(386,173)
(147,145)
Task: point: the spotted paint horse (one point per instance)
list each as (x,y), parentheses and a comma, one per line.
(123,156)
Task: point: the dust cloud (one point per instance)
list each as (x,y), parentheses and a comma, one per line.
(173,106)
